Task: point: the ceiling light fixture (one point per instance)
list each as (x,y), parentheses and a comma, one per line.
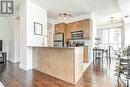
(64,15)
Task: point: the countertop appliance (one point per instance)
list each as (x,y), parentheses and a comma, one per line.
(58,40)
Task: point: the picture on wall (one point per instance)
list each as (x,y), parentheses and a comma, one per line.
(38,28)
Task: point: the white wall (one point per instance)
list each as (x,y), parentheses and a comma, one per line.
(17,39)
(93,35)
(4,33)
(36,14)
(11,40)
(23,47)
(7,35)
(127,34)
(18,34)
(50,34)
(125,9)
(30,13)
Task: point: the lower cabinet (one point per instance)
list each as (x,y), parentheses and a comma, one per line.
(85,55)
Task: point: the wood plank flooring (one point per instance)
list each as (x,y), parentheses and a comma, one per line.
(97,75)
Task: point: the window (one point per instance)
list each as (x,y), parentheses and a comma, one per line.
(110,37)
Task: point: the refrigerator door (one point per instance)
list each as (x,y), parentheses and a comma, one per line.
(58,37)
(59,40)
(58,44)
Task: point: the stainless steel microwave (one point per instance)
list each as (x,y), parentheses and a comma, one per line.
(77,35)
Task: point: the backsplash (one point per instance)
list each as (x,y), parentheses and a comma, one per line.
(84,42)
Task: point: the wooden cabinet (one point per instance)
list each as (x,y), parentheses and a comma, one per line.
(68,31)
(60,28)
(75,26)
(85,27)
(85,55)
(72,27)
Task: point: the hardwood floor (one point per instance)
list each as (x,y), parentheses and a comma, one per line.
(97,75)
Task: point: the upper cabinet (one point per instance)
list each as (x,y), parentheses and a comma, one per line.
(60,28)
(71,27)
(75,26)
(83,25)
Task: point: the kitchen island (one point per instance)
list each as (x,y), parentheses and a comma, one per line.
(63,63)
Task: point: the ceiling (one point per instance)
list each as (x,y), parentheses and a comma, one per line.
(101,8)
(125,9)
(17,4)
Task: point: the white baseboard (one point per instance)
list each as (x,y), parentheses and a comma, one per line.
(13,61)
(24,67)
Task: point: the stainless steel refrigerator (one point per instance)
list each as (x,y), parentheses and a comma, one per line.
(58,40)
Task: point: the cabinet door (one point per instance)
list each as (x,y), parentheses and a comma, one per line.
(72,27)
(75,26)
(68,31)
(85,55)
(60,28)
(85,26)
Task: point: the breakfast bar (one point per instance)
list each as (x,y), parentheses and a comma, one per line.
(61,62)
